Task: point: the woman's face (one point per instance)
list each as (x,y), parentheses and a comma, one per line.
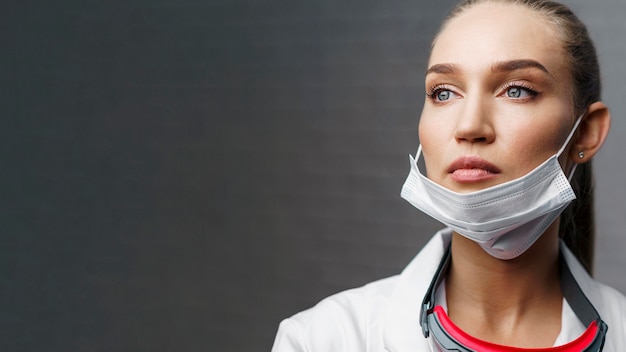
(499,99)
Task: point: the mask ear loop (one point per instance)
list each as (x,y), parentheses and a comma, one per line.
(567,140)
(571,173)
(418,153)
(415,160)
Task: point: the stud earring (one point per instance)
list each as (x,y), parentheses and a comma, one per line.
(581,154)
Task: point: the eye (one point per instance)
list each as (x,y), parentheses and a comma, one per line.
(519,92)
(441,94)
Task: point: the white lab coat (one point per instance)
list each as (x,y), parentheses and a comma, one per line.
(384,315)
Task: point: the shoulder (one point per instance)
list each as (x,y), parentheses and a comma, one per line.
(611,304)
(356,307)
(369,317)
(346,321)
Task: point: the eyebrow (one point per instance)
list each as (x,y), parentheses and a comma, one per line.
(500,67)
(507,66)
(443,69)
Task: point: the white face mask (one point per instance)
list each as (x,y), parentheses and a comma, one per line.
(506,219)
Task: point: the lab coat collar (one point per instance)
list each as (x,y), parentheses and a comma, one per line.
(401,330)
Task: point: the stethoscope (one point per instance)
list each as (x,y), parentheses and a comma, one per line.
(449,337)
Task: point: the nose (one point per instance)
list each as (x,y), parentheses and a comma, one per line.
(475,124)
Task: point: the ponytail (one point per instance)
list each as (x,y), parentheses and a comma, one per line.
(577,226)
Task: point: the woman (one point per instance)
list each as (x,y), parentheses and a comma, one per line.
(512,108)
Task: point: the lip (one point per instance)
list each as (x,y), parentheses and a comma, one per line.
(467,169)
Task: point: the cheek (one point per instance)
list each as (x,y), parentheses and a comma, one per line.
(528,147)
(426,135)
(429,131)
(431,138)
(434,132)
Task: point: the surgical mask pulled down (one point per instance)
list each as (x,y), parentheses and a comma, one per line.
(506,219)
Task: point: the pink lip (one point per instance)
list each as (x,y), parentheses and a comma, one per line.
(472,169)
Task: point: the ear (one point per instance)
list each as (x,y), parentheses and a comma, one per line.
(592,132)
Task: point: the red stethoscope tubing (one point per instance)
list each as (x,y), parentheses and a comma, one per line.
(582,342)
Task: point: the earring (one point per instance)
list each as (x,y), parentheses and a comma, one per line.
(581,154)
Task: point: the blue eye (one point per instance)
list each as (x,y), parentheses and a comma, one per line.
(443,95)
(440,95)
(517,92)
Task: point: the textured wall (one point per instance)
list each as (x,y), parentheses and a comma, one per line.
(182,175)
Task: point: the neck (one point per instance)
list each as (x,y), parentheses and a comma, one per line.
(515,302)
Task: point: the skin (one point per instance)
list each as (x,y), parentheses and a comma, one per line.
(499,89)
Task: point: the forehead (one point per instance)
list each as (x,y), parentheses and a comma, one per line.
(492,32)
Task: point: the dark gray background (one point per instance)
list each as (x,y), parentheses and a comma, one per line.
(182,175)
